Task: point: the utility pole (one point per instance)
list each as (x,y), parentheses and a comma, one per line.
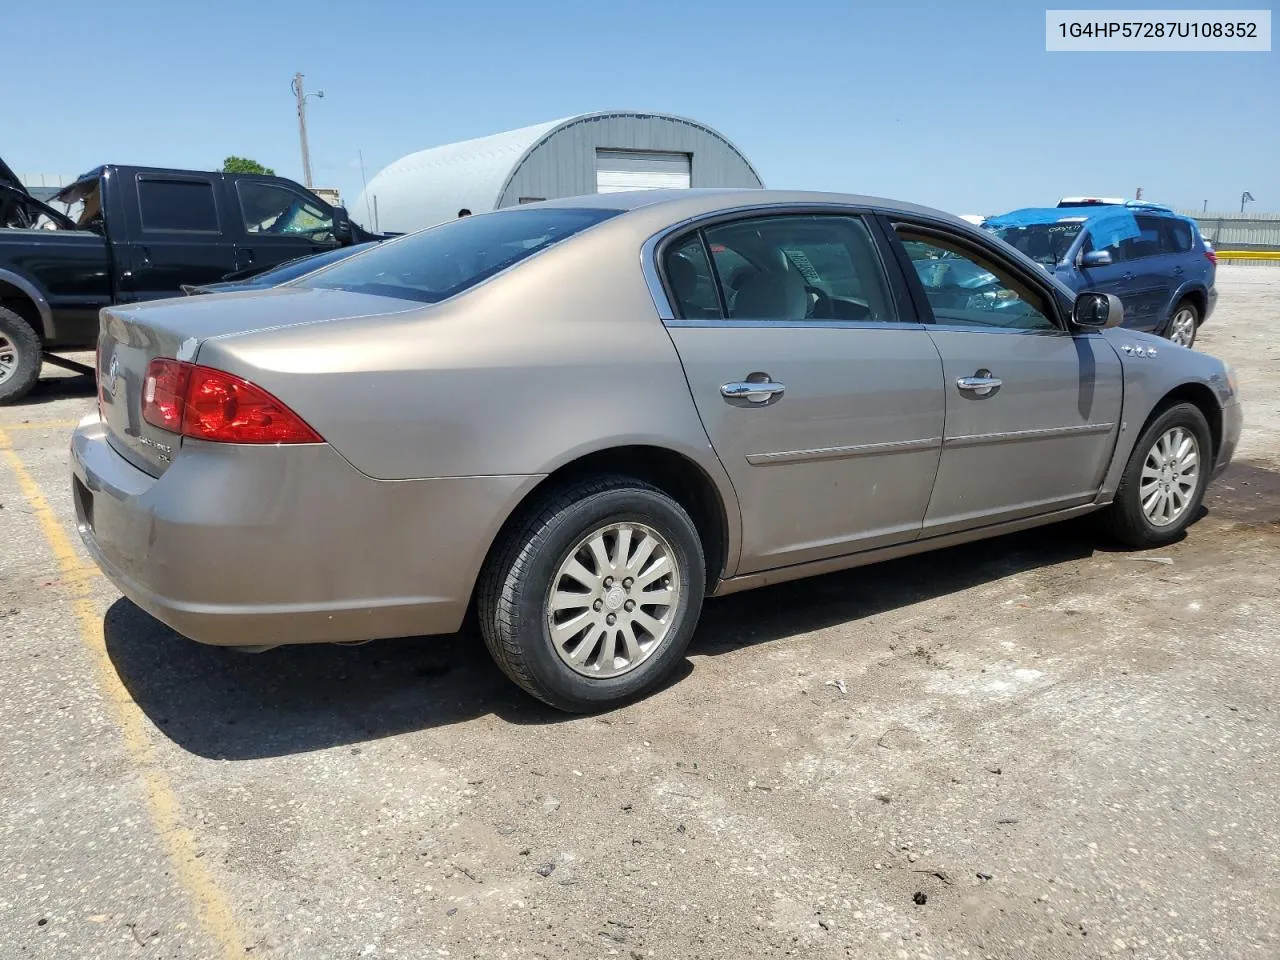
(363,179)
(1138,195)
(302,124)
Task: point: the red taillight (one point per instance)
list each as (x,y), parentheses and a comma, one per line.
(208,404)
(164,393)
(1211,255)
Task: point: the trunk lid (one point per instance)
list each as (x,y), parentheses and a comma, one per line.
(130,337)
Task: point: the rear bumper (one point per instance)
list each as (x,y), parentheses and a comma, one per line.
(248,546)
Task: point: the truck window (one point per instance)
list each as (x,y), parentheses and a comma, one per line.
(185,206)
(270,209)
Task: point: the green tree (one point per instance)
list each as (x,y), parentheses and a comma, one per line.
(245,165)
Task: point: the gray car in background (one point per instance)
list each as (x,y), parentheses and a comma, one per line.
(581,418)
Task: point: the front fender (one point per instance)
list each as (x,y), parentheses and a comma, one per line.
(1152,375)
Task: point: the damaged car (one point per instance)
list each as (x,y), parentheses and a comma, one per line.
(122,234)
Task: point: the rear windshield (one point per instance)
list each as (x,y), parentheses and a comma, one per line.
(442,261)
(304,265)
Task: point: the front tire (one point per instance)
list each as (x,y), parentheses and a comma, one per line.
(20,356)
(592,599)
(1184,324)
(1164,482)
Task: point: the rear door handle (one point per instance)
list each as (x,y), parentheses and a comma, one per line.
(981,384)
(755,392)
(1128,276)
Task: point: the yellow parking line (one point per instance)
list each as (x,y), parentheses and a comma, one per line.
(179,840)
(40,425)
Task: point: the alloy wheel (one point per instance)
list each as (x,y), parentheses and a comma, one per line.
(613,600)
(8,358)
(1170,475)
(1182,329)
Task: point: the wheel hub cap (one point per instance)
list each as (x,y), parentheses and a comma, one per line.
(613,600)
(8,358)
(1170,475)
(1184,326)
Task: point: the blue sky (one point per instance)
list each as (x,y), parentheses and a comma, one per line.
(956,105)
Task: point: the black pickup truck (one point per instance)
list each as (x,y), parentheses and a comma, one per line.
(123,234)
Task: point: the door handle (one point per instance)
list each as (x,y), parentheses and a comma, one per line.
(1177,271)
(755,392)
(1127,276)
(981,384)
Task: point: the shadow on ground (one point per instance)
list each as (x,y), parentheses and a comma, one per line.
(223,704)
(48,389)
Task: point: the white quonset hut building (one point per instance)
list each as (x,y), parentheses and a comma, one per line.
(592,153)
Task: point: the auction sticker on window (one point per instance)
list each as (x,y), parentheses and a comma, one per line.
(1137,31)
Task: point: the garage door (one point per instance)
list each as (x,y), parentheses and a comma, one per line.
(618,170)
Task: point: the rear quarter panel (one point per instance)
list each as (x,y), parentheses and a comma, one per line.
(562,356)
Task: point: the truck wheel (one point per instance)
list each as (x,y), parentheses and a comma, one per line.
(20,359)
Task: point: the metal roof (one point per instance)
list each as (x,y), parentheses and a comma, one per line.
(430,186)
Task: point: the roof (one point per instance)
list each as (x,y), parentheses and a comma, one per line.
(672,206)
(430,186)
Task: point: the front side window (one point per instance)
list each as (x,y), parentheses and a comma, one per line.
(799,268)
(183,206)
(968,289)
(1146,244)
(269,210)
(443,261)
(1116,249)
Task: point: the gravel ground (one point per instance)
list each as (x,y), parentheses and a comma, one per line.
(1033,747)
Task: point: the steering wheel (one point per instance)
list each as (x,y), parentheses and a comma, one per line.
(820,305)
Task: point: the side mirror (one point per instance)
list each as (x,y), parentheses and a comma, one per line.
(1096,258)
(341,225)
(1097,311)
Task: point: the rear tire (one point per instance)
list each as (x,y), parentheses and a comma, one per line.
(20,356)
(591,599)
(1184,324)
(1159,496)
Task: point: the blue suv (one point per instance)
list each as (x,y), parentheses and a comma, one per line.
(1153,259)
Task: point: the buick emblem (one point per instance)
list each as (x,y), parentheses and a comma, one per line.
(109,384)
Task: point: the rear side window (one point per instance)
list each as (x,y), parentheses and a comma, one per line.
(1176,236)
(693,285)
(784,268)
(445,260)
(183,206)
